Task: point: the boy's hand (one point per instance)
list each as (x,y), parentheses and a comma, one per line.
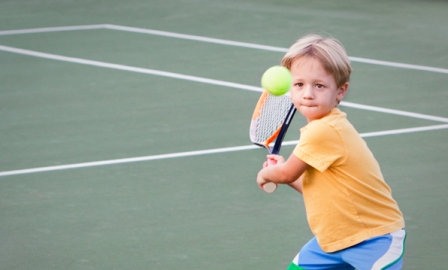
(260,180)
(273,159)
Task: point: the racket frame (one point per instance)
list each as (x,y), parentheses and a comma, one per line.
(281,135)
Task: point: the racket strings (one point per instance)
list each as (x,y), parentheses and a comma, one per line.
(268,118)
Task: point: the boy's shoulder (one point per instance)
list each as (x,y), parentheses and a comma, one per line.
(334,124)
(334,115)
(325,128)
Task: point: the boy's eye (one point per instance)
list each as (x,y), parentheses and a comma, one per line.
(299,84)
(319,85)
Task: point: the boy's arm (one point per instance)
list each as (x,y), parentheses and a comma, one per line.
(284,172)
(297,185)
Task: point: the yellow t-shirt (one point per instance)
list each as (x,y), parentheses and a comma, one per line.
(346,198)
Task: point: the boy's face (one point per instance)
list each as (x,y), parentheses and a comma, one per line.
(314,91)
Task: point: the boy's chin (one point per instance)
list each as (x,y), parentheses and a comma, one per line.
(311,114)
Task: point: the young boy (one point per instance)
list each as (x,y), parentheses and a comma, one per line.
(350,210)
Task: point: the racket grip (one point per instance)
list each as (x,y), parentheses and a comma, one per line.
(270,187)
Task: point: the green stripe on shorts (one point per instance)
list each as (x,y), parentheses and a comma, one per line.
(294,266)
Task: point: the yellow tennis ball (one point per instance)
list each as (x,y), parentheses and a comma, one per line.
(276,80)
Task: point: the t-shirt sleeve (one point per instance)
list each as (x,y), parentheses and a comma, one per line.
(320,145)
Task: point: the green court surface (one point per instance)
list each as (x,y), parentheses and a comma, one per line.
(124,128)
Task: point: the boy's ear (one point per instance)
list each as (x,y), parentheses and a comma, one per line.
(342,91)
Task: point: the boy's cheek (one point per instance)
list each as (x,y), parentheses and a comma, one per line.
(294,96)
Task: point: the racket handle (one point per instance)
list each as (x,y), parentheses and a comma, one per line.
(270,187)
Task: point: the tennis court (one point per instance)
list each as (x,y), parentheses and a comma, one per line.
(124,128)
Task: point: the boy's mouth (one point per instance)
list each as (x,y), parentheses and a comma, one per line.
(308,105)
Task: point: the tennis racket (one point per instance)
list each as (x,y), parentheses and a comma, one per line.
(270,121)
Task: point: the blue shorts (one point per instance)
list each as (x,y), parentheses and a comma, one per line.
(382,252)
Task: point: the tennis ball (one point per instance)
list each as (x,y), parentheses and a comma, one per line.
(276,80)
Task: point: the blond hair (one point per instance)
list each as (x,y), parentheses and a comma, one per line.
(329,51)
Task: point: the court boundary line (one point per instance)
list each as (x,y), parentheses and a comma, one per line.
(202,80)
(198,153)
(209,40)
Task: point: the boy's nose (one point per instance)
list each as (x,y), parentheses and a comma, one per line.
(308,93)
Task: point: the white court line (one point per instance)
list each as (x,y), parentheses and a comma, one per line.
(392,111)
(200,79)
(129,68)
(52,29)
(195,38)
(210,40)
(191,78)
(129,160)
(266,48)
(200,152)
(389,132)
